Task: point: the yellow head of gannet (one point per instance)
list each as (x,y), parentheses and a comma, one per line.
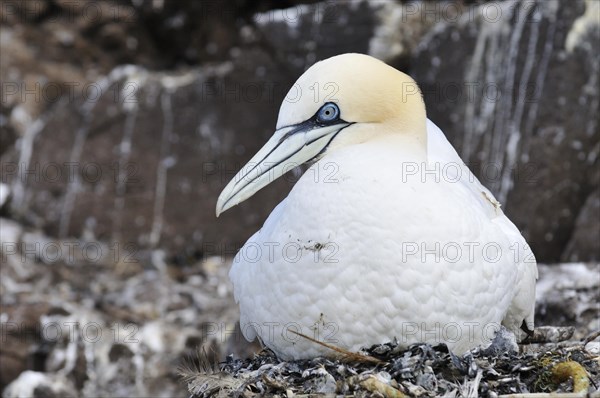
(344,100)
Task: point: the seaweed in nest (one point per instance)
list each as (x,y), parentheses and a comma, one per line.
(419,370)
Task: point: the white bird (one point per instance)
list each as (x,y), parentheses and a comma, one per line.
(388,235)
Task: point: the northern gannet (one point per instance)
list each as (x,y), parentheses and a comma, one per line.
(388,235)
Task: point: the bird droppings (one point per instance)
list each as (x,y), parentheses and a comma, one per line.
(491,199)
(315,248)
(419,371)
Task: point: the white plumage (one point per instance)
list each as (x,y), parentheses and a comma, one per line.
(387,236)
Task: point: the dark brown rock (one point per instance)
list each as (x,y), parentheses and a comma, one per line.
(584,241)
(152,151)
(514,86)
(21,340)
(500,96)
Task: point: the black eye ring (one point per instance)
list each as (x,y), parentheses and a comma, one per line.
(328,113)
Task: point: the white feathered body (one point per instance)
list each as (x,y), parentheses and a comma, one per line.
(372,244)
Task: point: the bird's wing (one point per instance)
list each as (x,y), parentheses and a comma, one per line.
(441,153)
(439,150)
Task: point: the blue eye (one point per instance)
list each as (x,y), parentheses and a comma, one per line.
(328,113)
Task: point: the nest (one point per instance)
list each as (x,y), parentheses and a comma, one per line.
(420,371)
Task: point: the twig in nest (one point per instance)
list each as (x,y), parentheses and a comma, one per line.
(203,375)
(550,334)
(347,356)
(592,336)
(198,363)
(273,383)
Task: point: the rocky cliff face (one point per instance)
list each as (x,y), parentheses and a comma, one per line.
(522,109)
(139,153)
(121,121)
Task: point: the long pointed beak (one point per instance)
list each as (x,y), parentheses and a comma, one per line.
(289,147)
